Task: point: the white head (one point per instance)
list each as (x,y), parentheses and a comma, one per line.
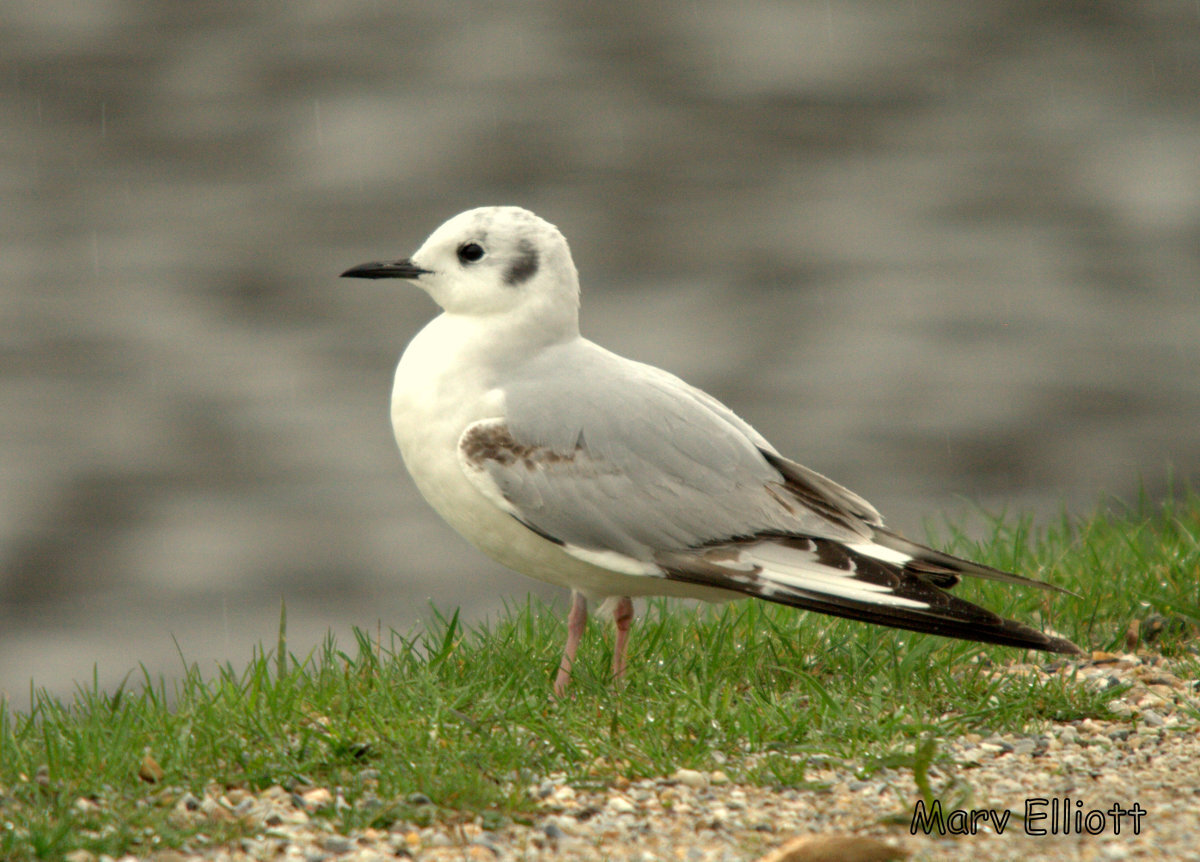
(492,261)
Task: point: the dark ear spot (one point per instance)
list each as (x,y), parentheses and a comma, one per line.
(524,267)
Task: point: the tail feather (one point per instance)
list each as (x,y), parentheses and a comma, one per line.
(925,559)
(886,584)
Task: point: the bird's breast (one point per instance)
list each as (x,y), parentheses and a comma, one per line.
(436,394)
(439,390)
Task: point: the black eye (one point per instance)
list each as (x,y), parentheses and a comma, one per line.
(469,252)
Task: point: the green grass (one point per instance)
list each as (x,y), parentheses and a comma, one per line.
(463,716)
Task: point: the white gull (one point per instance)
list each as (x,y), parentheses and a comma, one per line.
(576,466)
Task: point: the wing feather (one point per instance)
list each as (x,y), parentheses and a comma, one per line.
(637,472)
(820,576)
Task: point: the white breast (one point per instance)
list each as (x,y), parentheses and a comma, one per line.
(443,384)
(440,389)
(437,393)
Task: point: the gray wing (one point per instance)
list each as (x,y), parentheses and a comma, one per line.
(607,454)
(627,467)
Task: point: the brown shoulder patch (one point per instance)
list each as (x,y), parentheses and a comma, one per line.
(493,442)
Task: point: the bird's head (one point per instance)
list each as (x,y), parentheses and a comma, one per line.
(498,260)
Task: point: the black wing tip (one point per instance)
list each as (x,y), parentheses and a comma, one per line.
(1001,632)
(1060,645)
(1020,636)
(930,562)
(945,615)
(917,600)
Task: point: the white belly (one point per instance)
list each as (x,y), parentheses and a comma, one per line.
(431,408)
(433,402)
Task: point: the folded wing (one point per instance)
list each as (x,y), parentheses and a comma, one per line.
(644,475)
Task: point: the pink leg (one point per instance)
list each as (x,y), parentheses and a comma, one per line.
(623,617)
(576,623)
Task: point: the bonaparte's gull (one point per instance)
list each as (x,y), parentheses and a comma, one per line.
(614,478)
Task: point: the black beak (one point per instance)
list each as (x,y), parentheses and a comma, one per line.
(386,269)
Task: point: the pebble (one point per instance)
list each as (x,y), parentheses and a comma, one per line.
(691,778)
(149,770)
(620,805)
(337,844)
(317,798)
(1024,746)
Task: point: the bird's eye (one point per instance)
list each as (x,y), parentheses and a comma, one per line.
(469,252)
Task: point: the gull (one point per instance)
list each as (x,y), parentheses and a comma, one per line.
(614,478)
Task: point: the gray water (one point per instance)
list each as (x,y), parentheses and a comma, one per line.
(946,252)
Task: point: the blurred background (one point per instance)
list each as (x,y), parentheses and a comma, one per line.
(945,251)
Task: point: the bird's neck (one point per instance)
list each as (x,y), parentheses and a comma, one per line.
(515,334)
(496,340)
